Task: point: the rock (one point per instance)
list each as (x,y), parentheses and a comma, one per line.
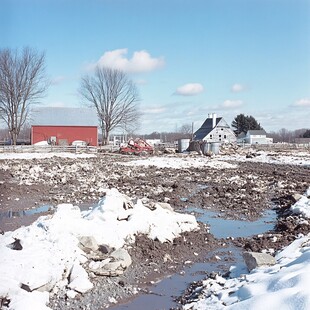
(165,205)
(78,279)
(296,197)
(255,259)
(16,245)
(115,265)
(88,243)
(123,256)
(127,204)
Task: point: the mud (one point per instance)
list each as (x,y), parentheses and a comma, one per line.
(243,193)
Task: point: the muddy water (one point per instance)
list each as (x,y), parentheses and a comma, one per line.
(161,295)
(223,228)
(11,220)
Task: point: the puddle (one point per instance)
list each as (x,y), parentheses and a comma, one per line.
(13,214)
(42,209)
(162,295)
(222,228)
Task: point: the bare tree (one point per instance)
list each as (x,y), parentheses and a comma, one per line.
(186,130)
(22,83)
(115,98)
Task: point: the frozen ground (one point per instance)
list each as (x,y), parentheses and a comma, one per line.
(236,184)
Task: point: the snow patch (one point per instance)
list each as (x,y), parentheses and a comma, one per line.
(49,258)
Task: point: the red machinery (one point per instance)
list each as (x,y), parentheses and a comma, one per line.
(138,147)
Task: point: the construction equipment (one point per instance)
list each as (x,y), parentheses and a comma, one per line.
(137,146)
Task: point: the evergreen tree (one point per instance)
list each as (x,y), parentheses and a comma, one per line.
(243,123)
(306,134)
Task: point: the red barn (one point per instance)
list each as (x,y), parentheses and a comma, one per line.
(64,135)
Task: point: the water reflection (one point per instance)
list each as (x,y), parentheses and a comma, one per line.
(222,228)
(21,213)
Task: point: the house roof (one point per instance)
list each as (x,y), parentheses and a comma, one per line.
(59,116)
(206,128)
(241,135)
(257,132)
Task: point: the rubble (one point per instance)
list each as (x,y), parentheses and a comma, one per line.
(254,260)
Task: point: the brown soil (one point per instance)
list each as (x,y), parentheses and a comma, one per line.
(241,193)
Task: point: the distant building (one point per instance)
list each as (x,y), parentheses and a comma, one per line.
(64,135)
(62,126)
(215,129)
(254,137)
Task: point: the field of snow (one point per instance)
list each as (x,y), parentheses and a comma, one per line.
(44,155)
(181,162)
(290,158)
(285,285)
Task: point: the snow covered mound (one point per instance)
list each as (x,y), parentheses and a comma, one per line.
(302,206)
(285,285)
(181,162)
(46,256)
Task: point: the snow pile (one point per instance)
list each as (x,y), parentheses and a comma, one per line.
(291,158)
(44,155)
(302,206)
(181,162)
(45,256)
(285,285)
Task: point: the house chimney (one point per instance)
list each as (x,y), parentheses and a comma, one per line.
(213,120)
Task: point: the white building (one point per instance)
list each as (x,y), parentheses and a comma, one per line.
(215,129)
(256,137)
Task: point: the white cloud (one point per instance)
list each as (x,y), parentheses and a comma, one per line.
(141,61)
(140,82)
(304,102)
(237,88)
(57,80)
(190,89)
(154,110)
(56,104)
(230,104)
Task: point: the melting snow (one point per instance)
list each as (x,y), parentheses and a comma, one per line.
(285,285)
(50,258)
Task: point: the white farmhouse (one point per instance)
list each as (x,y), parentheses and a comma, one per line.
(256,137)
(215,129)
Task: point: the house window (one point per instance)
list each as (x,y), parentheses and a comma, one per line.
(222,129)
(220,136)
(210,136)
(225,137)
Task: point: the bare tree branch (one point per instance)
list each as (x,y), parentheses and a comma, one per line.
(115,98)
(22,83)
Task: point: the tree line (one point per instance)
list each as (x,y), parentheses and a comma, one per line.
(23,82)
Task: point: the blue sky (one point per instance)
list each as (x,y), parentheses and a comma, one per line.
(188,58)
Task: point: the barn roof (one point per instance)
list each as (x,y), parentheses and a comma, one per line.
(55,116)
(205,128)
(257,132)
